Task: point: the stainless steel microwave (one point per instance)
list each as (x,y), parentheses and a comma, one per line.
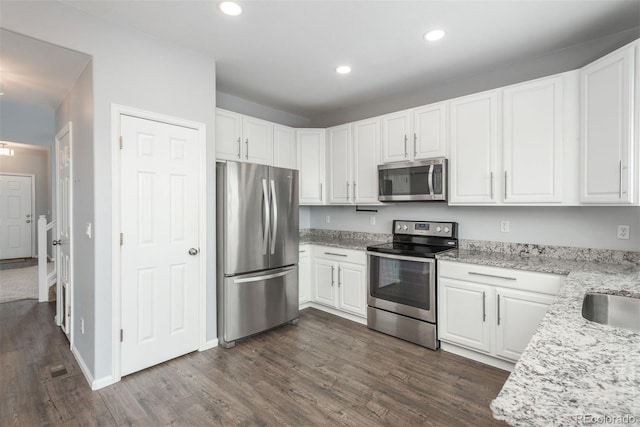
(424,180)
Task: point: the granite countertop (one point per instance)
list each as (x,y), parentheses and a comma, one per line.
(344,240)
(574,371)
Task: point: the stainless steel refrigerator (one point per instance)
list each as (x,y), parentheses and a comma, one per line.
(257,249)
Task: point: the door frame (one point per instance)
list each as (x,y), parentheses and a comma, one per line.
(34,220)
(116,292)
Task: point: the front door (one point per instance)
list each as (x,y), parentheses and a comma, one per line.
(159,242)
(15,216)
(64,229)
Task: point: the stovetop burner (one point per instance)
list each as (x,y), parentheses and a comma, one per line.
(422,239)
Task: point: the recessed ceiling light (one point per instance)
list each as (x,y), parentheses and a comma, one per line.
(343,69)
(230,8)
(434,35)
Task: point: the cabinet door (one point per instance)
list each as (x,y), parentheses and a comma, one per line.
(533,141)
(352,296)
(258,140)
(474,145)
(396,128)
(228,135)
(339,148)
(324,273)
(607,128)
(464,317)
(304,276)
(366,157)
(284,147)
(429,132)
(518,314)
(311,165)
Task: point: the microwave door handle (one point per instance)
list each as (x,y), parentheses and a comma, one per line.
(430,179)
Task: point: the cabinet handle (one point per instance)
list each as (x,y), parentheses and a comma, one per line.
(473,273)
(333,253)
(354,191)
(498,309)
(320,191)
(239,148)
(620,174)
(491,185)
(484,306)
(246,154)
(415,145)
(332,280)
(339,276)
(505,185)
(347,191)
(405,145)
(302,251)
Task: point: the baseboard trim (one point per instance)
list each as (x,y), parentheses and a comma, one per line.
(209,345)
(478,357)
(93,383)
(348,316)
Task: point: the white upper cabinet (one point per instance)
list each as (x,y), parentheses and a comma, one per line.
(243,138)
(284,147)
(474,149)
(353,156)
(339,158)
(606,122)
(228,135)
(311,162)
(532,141)
(366,157)
(396,129)
(430,131)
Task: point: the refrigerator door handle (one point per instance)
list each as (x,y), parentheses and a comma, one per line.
(274,202)
(266,222)
(264,277)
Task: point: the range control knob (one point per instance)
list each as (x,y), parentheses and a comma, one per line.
(398,227)
(405,228)
(438,229)
(446,229)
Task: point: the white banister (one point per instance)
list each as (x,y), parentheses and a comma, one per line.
(44,278)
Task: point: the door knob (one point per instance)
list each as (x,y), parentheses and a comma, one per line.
(193,251)
(28,221)
(56,242)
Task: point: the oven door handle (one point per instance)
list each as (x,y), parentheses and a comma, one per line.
(402,258)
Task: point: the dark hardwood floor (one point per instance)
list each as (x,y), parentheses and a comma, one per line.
(325,371)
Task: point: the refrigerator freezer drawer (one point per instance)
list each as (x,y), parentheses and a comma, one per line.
(255,302)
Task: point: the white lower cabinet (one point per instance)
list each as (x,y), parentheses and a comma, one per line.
(338,278)
(489,311)
(304,275)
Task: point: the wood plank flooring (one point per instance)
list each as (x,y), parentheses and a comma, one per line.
(325,371)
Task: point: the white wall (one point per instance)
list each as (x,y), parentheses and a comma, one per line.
(305,217)
(586,227)
(250,108)
(134,70)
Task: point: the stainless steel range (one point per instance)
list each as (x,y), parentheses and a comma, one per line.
(402,280)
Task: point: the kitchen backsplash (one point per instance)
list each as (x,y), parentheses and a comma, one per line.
(526,249)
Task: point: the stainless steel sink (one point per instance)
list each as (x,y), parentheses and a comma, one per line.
(612,310)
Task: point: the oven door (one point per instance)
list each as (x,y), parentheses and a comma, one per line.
(403,285)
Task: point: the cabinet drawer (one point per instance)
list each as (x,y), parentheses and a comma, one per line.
(340,255)
(505,277)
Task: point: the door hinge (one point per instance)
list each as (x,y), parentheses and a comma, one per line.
(121,335)
(121,142)
(121,239)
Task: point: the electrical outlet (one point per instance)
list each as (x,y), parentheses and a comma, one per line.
(372,220)
(623,232)
(82,326)
(505,226)
(328,219)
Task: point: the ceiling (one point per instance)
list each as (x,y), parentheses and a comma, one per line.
(36,73)
(283,53)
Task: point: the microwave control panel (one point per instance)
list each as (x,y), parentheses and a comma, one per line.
(425,228)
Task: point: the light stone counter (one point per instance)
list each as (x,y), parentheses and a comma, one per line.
(573,372)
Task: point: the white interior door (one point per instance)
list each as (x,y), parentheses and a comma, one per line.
(15,216)
(159,260)
(64,229)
